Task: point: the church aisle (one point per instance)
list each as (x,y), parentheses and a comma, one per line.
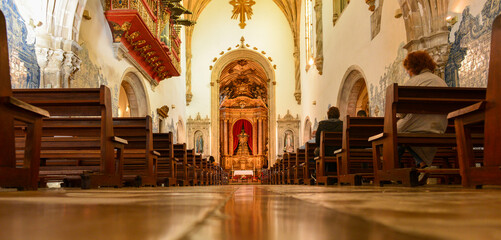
(252,212)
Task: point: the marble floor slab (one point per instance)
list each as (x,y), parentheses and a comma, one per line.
(252,212)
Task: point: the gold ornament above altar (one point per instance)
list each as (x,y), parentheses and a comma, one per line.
(242,8)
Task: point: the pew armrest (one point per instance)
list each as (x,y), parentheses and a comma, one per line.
(119,140)
(26,107)
(155,153)
(472,109)
(377,137)
(338,151)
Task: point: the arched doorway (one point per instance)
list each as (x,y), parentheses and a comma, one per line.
(269,127)
(243,111)
(353,96)
(132,99)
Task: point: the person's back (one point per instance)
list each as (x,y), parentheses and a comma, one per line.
(332,124)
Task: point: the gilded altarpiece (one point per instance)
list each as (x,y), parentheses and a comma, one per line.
(243,117)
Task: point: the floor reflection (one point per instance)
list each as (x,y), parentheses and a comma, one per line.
(256,213)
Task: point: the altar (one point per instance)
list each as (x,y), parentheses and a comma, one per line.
(244,162)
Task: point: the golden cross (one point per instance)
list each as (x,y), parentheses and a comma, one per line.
(242,8)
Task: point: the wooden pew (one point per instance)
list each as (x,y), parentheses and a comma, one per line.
(206,171)
(166,165)
(324,161)
(140,158)
(280,170)
(272,174)
(78,141)
(419,100)
(180,155)
(355,158)
(12,110)
(290,167)
(192,176)
(486,114)
(199,169)
(297,170)
(307,164)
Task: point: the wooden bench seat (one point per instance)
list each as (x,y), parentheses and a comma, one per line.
(418,100)
(298,170)
(140,159)
(13,110)
(80,126)
(192,176)
(487,115)
(355,156)
(180,156)
(326,164)
(166,164)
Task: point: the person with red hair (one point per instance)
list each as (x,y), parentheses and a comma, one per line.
(420,67)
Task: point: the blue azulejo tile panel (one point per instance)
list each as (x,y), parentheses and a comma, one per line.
(468,62)
(394,73)
(24,69)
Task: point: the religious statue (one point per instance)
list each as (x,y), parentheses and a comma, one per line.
(243,148)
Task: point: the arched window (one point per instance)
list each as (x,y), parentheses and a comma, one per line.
(310,59)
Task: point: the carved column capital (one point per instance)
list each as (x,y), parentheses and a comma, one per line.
(70,66)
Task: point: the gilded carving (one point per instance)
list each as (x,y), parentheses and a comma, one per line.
(118,30)
(120,4)
(132,36)
(163,111)
(319,58)
(242,9)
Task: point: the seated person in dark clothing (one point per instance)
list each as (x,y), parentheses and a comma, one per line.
(362,113)
(332,124)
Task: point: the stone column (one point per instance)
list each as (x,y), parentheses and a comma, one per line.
(57,67)
(254,138)
(260,143)
(225,137)
(70,67)
(52,72)
(230,139)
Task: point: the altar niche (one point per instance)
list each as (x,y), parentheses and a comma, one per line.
(243,116)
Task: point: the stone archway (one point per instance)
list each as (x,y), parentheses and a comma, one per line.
(353,95)
(221,63)
(134,91)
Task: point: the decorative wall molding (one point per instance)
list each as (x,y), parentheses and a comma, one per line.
(199,127)
(319,37)
(286,125)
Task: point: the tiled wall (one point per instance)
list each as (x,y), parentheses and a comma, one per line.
(394,73)
(24,69)
(469,57)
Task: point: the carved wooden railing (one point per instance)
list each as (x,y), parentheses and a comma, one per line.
(146,29)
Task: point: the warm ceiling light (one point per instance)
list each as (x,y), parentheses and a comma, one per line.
(311,61)
(451,20)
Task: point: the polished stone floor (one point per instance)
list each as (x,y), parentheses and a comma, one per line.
(252,212)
